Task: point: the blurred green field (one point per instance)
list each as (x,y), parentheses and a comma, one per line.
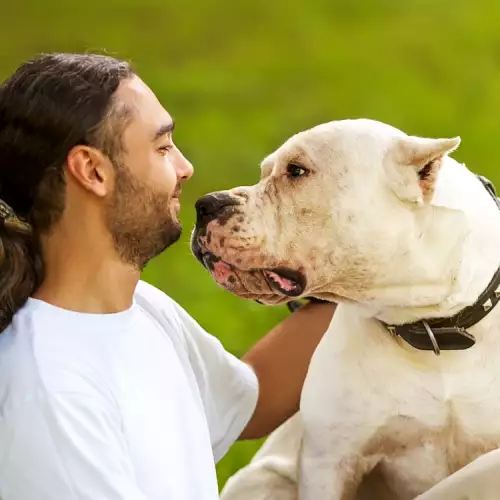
(240,77)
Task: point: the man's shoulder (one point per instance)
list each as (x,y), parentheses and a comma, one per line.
(159,305)
(168,313)
(147,294)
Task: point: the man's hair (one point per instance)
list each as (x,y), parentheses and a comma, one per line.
(48,106)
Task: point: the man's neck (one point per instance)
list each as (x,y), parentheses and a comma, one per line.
(86,275)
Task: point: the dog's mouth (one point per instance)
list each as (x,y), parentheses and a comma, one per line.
(279,280)
(285,281)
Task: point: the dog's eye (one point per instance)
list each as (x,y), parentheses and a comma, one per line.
(295,170)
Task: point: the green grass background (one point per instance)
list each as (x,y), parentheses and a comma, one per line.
(241,76)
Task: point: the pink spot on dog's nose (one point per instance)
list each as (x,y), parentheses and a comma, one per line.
(222,273)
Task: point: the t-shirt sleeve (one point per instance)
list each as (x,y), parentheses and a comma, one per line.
(228,386)
(66,446)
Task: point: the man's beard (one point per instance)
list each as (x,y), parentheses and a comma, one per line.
(140,219)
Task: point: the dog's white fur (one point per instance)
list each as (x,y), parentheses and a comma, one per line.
(379,419)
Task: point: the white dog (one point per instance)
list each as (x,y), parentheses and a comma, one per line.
(398,233)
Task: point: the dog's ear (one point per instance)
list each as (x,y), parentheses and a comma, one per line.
(414,164)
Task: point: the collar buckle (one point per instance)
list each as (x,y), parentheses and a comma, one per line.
(428,329)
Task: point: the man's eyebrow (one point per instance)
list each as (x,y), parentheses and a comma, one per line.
(167,128)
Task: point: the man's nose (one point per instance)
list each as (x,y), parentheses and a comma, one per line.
(211,206)
(184,167)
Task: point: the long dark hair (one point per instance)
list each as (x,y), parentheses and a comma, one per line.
(49,105)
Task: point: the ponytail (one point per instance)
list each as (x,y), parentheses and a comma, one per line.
(21,266)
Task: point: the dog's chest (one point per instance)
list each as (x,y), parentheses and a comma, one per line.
(446,419)
(420,417)
(439,432)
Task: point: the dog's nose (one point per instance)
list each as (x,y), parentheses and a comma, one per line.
(210,206)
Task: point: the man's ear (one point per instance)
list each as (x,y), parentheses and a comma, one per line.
(90,169)
(413,163)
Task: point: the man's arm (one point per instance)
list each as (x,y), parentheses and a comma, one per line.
(280,361)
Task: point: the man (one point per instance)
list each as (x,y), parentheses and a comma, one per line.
(109,390)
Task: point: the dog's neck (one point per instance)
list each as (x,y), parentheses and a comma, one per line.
(454,260)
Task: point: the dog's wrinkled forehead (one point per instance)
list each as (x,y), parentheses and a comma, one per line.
(336,143)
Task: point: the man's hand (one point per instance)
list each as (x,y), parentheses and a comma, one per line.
(281,360)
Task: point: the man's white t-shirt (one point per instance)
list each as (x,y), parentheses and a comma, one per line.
(136,405)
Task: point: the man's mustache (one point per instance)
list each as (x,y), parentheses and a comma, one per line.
(177,191)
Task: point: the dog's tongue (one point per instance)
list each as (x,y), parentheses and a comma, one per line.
(284,283)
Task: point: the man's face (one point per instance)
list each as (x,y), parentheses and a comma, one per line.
(142,213)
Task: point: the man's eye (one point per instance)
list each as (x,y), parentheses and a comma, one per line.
(164,149)
(294,170)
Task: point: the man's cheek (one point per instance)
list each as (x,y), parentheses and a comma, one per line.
(167,177)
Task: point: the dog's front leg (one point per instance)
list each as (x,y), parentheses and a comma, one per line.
(333,464)
(343,408)
(479,480)
(272,473)
(342,438)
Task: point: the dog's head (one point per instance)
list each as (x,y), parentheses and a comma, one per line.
(336,207)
